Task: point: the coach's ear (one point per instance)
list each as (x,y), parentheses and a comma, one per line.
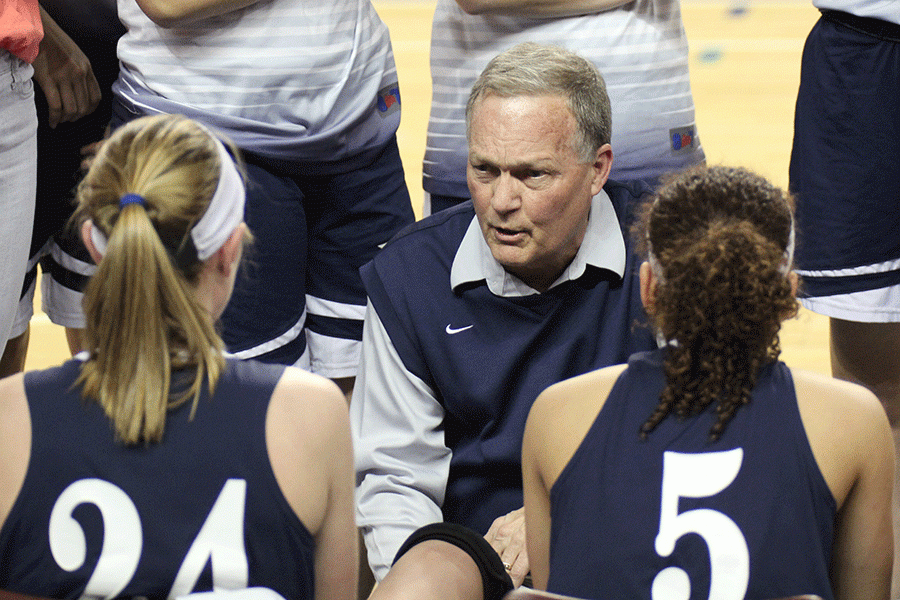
(86,228)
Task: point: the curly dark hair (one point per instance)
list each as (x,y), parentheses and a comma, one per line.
(719,237)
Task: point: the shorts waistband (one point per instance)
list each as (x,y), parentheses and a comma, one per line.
(7,61)
(16,73)
(877,28)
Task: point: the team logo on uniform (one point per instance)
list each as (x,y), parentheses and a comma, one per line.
(454,330)
(683,139)
(389,100)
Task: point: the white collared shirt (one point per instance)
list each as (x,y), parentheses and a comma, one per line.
(603,247)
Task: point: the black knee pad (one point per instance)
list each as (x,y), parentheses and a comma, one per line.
(494,578)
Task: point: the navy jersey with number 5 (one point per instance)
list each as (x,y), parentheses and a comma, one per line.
(200,509)
(678,517)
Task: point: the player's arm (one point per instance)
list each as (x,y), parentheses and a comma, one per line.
(539,8)
(537,492)
(308,437)
(863,546)
(64,75)
(15,441)
(336,543)
(175,13)
(571,406)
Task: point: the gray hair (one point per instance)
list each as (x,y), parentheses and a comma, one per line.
(531,69)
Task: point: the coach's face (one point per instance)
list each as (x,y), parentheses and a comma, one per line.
(532,193)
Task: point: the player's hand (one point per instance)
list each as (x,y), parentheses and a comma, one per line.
(65,76)
(507,537)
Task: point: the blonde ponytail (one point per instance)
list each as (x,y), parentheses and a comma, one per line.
(144,322)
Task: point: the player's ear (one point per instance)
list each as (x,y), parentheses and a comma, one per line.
(648,287)
(89,241)
(228,256)
(795,282)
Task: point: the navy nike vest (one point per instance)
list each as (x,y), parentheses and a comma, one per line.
(488,375)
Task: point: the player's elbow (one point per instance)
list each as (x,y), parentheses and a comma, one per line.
(473,7)
(165,13)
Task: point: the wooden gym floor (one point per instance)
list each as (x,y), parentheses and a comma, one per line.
(745,62)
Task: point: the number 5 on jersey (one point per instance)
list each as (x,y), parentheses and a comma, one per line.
(700,476)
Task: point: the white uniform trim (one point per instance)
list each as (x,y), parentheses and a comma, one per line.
(881,305)
(285,338)
(884,267)
(335,310)
(886,10)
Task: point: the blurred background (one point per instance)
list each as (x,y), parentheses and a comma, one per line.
(745,69)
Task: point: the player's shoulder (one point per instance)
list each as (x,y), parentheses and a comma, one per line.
(572,406)
(839,413)
(12,396)
(626,195)
(312,402)
(597,380)
(834,396)
(847,429)
(574,401)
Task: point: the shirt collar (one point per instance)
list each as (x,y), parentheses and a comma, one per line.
(603,247)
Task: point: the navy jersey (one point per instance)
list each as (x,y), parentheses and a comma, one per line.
(678,516)
(201,509)
(512,348)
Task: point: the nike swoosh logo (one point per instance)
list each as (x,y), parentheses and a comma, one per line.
(451,330)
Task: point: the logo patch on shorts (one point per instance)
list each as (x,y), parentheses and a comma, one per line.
(683,139)
(389,100)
